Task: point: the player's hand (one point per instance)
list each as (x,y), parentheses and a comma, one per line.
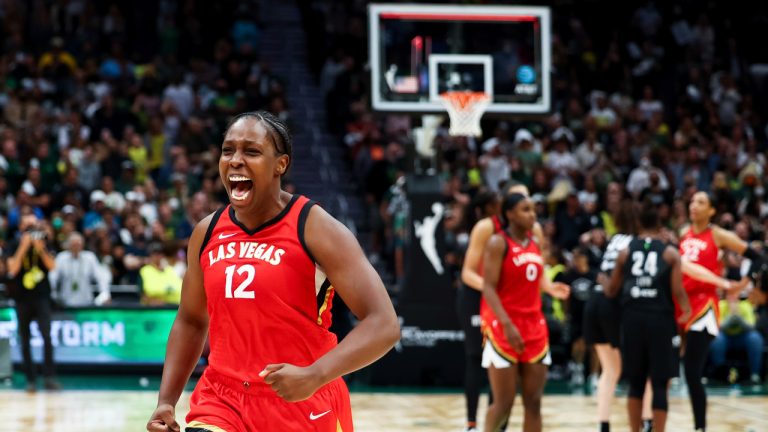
(514,338)
(560,290)
(163,419)
(738,287)
(292,383)
(684,317)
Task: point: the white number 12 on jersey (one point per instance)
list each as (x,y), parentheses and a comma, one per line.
(240,292)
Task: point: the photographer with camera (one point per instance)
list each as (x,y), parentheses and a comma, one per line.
(28,269)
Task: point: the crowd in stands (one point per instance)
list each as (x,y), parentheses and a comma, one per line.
(665,100)
(111,117)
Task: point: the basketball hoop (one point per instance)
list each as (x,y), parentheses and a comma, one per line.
(465,108)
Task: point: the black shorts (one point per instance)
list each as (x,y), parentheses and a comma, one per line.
(647,349)
(468,310)
(576,312)
(602,317)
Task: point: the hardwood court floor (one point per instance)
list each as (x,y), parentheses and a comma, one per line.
(127,411)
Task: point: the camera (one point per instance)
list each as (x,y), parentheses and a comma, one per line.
(36,233)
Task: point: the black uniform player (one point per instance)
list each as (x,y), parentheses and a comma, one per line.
(602,315)
(648,273)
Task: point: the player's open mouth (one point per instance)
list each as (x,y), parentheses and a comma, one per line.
(240,187)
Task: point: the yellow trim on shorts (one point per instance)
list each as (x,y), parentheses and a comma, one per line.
(498,349)
(541,355)
(324,306)
(709,305)
(338,426)
(513,360)
(212,428)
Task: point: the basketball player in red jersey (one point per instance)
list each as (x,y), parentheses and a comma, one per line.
(517,340)
(472,268)
(262,274)
(470,295)
(700,243)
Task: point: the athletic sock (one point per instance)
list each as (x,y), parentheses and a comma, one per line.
(605,427)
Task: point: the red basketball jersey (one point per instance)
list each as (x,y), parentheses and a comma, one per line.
(701,249)
(497,227)
(268,301)
(518,287)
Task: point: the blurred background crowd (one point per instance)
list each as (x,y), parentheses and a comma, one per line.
(111,129)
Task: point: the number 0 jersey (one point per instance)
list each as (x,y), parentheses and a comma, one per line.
(518,288)
(268,301)
(518,285)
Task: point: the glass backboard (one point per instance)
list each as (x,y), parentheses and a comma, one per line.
(420,51)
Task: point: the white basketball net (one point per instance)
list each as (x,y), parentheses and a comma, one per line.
(465,108)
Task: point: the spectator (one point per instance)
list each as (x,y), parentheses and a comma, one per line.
(738,332)
(159,283)
(561,160)
(581,277)
(495,164)
(570,222)
(640,177)
(28,268)
(75,273)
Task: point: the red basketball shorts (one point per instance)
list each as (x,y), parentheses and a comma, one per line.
(498,352)
(223,403)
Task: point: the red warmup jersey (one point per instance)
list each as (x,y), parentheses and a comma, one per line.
(268,300)
(518,287)
(701,249)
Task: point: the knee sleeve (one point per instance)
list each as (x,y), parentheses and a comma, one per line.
(659,401)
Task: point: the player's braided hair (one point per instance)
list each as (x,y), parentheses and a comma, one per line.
(276,128)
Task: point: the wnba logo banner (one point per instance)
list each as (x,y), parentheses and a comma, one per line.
(426,276)
(430,333)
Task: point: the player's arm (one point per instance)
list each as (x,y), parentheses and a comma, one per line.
(672,257)
(729,240)
(617,277)
(187,337)
(338,253)
(538,235)
(558,290)
(477,239)
(703,274)
(493,257)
